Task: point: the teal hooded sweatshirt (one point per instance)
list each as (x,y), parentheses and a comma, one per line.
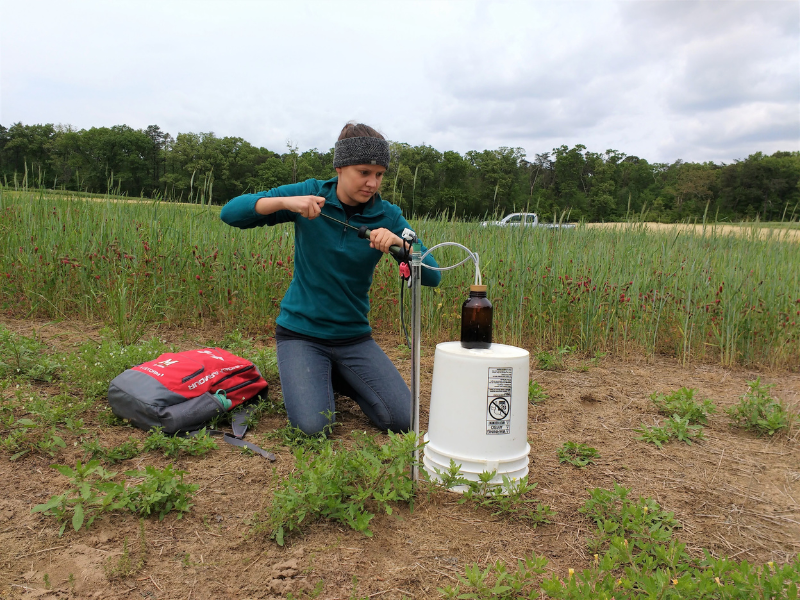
(328,297)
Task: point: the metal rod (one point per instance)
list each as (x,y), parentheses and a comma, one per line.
(322,214)
(416,296)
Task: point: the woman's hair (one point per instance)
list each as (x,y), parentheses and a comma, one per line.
(353,129)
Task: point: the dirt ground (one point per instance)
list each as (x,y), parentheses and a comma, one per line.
(735,495)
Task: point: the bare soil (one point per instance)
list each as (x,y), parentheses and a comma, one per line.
(735,494)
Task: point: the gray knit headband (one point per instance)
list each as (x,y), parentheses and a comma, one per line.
(361,151)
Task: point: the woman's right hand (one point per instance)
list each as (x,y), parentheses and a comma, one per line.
(308,206)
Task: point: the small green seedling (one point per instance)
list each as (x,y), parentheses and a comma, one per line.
(294,437)
(554,361)
(536,393)
(115,454)
(195,445)
(577,454)
(653,435)
(124,566)
(592,362)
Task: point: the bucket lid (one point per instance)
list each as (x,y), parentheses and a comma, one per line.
(477,288)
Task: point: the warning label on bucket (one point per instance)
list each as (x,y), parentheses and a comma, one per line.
(498,401)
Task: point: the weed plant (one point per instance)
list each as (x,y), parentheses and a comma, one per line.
(759,412)
(124,451)
(160,492)
(577,454)
(22,357)
(636,557)
(36,432)
(294,437)
(94,492)
(126,565)
(498,581)
(341,484)
(172,445)
(536,393)
(506,499)
(553,361)
(197,445)
(61,409)
(675,427)
(27,439)
(592,362)
(682,403)
(640,521)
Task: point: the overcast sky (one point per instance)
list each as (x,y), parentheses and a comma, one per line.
(715,80)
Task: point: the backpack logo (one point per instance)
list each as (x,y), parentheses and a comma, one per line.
(165,363)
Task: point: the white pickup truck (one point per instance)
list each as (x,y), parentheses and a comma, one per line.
(525,220)
(515,220)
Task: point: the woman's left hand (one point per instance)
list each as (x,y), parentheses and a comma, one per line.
(382,239)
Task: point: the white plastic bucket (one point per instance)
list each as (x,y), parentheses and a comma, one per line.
(479,412)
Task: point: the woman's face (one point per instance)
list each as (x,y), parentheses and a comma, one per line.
(358,183)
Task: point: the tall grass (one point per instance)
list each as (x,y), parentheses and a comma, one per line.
(734,299)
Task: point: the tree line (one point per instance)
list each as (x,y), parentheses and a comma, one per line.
(572,183)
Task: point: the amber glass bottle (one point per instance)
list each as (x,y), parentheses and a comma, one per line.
(476,319)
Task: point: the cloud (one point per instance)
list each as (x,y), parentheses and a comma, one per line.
(661,80)
(715,55)
(735,132)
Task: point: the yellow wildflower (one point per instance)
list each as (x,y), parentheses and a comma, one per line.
(571,573)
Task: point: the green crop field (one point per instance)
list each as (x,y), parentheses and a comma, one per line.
(662,416)
(709,296)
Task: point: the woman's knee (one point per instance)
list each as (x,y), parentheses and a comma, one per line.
(398,425)
(391,414)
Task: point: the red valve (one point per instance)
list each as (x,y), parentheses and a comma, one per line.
(405,271)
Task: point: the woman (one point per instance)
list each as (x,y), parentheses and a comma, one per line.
(324,338)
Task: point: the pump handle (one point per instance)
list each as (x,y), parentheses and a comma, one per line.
(396,251)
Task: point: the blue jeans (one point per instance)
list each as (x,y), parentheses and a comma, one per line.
(311,373)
